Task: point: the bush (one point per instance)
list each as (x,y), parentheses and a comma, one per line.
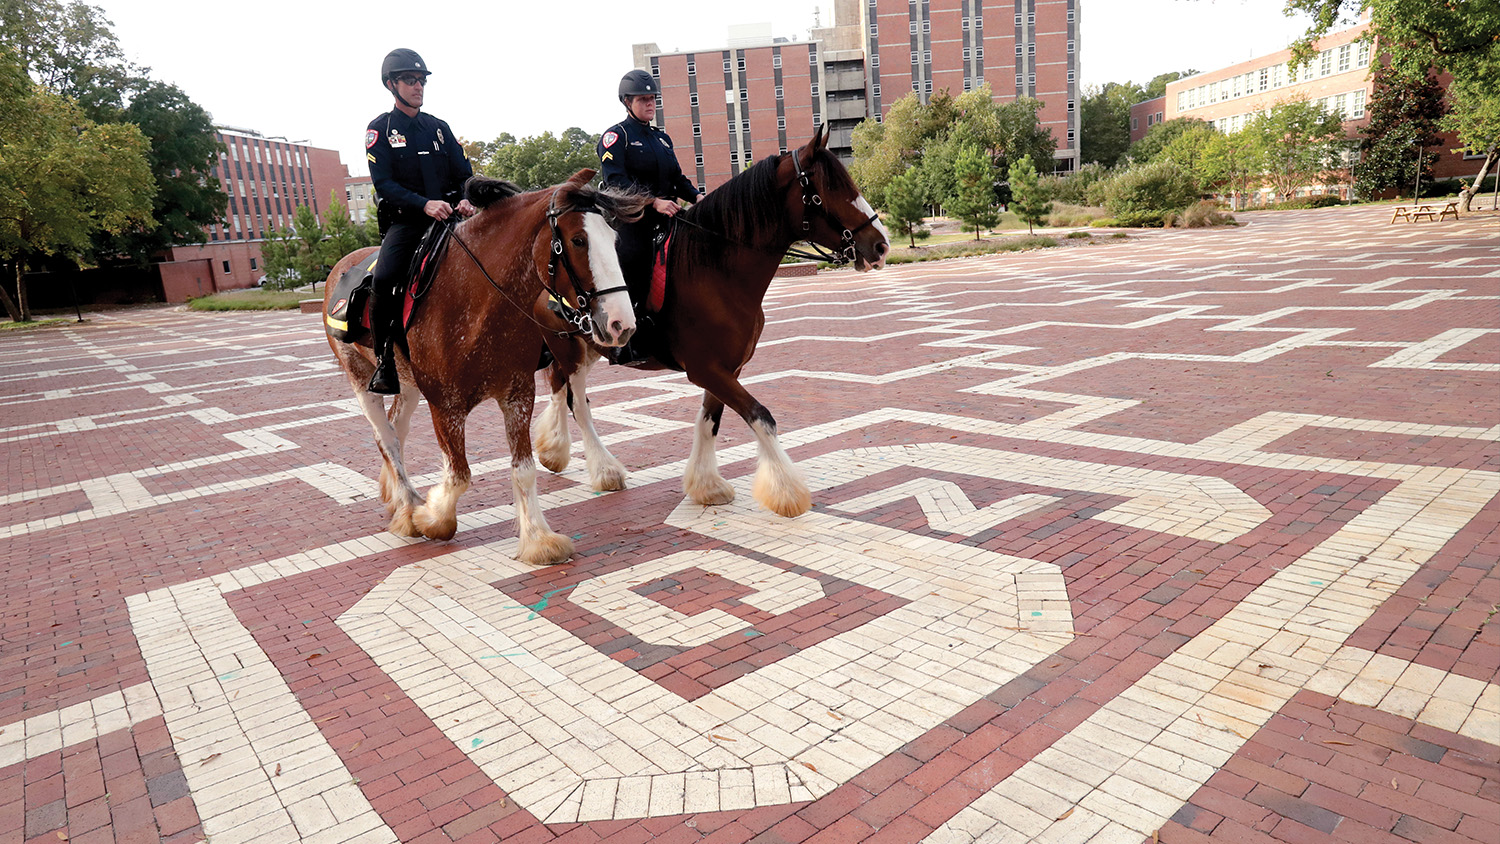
(1155,187)
(1074,189)
(1076,235)
(1072,215)
(1304,202)
(1205,213)
(1143,219)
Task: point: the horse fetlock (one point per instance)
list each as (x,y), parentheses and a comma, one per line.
(402,523)
(544,548)
(781,489)
(552,451)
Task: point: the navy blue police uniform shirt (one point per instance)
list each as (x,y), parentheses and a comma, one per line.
(414,160)
(638,155)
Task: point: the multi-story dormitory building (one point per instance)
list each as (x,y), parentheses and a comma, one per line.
(266,179)
(1338,78)
(728,107)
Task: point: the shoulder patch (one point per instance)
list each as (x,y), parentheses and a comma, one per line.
(371,136)
(609,139)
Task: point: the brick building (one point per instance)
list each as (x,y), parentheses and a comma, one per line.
(266,180)
(759,95)
(1338,77)
(359,193)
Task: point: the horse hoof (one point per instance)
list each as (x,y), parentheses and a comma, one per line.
(710,493)
(432,526)
(401,522)
(610,478)
(545,549)
(782,493)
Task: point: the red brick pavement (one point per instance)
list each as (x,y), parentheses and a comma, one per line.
(1321,768)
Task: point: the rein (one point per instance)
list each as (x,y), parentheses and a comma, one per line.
(811,200)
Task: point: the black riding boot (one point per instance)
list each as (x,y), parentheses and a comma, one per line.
(385,381)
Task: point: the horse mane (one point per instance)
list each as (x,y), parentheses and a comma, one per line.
(482,191)
(617,206)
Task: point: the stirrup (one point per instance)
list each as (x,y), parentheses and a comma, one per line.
(384,381)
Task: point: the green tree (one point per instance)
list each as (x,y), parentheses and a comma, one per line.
(1155,186)
(1186,149)
(62,177)
(184,151)
(974,193)
(906,205)
(278,255)
(1029,200)
(1461,38)
(69,48)
(1404,113)
(342,236)
(544,159)
(1158,136)
(1104,121)
(884,149)
(1301,143)
(309,259)
(1232,164)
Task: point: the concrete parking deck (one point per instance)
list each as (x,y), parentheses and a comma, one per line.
(1187,537)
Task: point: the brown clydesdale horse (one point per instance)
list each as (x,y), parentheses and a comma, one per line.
(725,251)
(473,339)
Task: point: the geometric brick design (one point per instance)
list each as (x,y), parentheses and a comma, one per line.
(1187,538)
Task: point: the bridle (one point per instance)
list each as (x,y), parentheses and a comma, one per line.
(811,202)
(578,316)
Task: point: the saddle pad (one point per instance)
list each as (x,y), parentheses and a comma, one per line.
(347,316)
(658,293)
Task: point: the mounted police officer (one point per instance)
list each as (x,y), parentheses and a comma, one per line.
(418,167)
(633,154)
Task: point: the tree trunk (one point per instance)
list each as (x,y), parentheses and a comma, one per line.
(10,306)
(1466,195)
(21,299)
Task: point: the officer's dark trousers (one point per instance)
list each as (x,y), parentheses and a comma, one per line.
(392,273)
(634,246)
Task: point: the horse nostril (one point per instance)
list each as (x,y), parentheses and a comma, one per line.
(882,248)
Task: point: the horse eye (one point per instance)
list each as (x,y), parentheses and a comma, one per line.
(580,241)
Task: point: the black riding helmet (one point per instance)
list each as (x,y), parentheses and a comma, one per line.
(637,83)
(399,61)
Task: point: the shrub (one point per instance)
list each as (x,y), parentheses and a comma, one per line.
(1304,202)
(1076,235)
(1074,189)
(1205,213)
(1155,187)
(1150,219)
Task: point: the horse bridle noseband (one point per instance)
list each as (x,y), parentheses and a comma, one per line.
(811,201)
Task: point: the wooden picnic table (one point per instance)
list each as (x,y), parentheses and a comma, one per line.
(1416,212)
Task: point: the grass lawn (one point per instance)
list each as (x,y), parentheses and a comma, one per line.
(44,322)
(251,300)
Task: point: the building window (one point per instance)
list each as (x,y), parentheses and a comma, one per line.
(1031,19)
(1018,51)
(965,25)
(744,126)
(656,71)
(1070,45)
(968,83)
(926,57)
(913,28)
(873,31)
(780,93)
(1018,80)
(1018,19)
(226,266)
(726,65)
(692,68)
(1364,54)
(927,86)
(875,60)
(776,61)
(697,130)
(693,99)
(1357,107)
(781,123)
(915,56)
(926,26)
(1071,136)
(699,159)
(1070,77)
(1031,48)
(741,64)
(744,95)
(875,89)
(1072,105)
(1031,79)
(1325,63)
(1071,17)
(658,102)
(979,52)
(734,158)
(1344,52)
(815,89)
(812,55)
(967,54)
(1135,123)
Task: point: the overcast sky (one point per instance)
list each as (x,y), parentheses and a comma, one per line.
(310,70)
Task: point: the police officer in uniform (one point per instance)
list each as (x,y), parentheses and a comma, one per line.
(634,154)
(418,168)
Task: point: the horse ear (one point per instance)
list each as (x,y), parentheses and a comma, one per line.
(823,135)
(581,178)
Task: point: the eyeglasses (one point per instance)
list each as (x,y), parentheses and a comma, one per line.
(412,80)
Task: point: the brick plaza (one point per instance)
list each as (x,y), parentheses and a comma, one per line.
(1187,537)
